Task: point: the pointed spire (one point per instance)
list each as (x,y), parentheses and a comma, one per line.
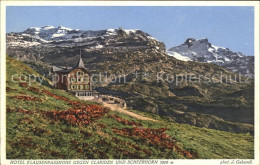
(80,63)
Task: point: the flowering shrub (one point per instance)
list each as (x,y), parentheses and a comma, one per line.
(33,89)
(155,137)
(23,84)
(70,102)
(9,89)
(27,98)
(79,116)
(125,122)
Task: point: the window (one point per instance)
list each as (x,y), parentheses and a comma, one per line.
(72,79)
(86,79)
(73,86)
(79,73)
(87,87)
(81,87)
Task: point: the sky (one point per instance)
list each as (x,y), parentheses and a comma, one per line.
(231,27)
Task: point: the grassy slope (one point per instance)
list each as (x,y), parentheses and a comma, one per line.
(36,136)
(221,106)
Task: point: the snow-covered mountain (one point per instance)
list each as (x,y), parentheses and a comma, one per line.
(50,33)
(63,36)
(47,43)
(203,51)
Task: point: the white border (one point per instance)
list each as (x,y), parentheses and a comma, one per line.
(132,3)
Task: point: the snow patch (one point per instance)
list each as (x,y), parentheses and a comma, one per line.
(57,35)
(217,47)
(152,38)
(99,46)
(226,59)
(130,31)
(211,50)
(178,56)
(23,44)
(47,27)
(65,28)
(111,30)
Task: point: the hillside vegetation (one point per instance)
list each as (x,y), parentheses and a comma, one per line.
(195,93)
(44,123)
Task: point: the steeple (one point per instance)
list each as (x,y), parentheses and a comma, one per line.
(80,63)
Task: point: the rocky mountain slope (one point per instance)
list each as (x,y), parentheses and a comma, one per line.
(200,94)
(203,51)
(45,123)
(32,44)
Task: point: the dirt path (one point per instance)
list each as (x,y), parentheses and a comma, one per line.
(113,107)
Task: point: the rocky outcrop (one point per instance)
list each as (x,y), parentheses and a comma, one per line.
(139,58)
(203,51)
(34,44)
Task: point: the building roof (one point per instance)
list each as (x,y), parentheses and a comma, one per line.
(79,65)
(61,69)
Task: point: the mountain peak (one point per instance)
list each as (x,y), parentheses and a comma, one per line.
(118,39)
(47,27)
(201,50)
(198,49)
(49,32)
(191,40)
(63,27)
